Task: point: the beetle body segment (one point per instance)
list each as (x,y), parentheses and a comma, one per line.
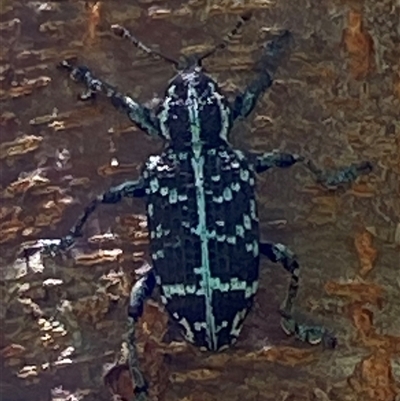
(204,236)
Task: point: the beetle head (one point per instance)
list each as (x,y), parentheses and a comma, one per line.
(194,111)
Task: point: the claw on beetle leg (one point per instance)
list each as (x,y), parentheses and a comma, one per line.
(65,64)
(48,247)
(87,95)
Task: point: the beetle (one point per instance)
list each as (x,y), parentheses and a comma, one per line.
(200,201)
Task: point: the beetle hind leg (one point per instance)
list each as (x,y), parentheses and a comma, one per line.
(311,334)
(304,332)
(140,291)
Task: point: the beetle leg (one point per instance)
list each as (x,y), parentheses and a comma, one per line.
(128,189)
(138,379)
(311,334)
(131,189)
(265,161)
(142,116)
(141,290)
(274,50)
(329,178)
(246,101)
(280,253)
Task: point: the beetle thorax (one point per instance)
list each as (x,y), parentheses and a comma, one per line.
(194,112)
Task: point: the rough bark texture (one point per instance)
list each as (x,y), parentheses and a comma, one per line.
(336,101)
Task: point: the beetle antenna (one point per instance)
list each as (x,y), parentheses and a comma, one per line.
(223,44)
(124,33)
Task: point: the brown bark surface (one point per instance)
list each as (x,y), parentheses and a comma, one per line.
(336,101)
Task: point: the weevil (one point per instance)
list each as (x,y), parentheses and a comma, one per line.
(200,201)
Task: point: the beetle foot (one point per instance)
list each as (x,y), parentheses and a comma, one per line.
(276,50)
(87,95)
(77,74)
(46,247)
(66,64)
(120,31)
(141,392)
(311,334)
(342,176)
(329,341)
(82,74)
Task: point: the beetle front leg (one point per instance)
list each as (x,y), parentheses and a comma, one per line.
(274,51)
(311,334)
(137,113)
(245,102)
